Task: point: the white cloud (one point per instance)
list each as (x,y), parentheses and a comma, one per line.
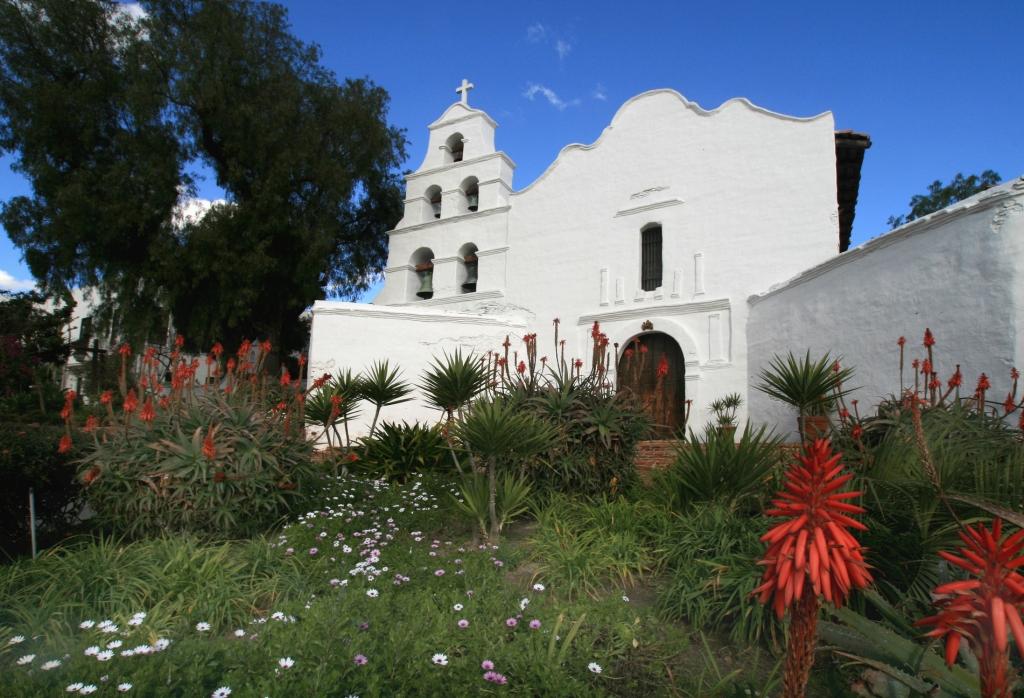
(536,33)
(599,92)
(550,95)
(9,283)
(131,10)
(190,211)
(562,48)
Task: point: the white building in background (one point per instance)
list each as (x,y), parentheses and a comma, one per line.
(667,231)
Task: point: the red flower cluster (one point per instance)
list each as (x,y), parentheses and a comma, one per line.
(813,544)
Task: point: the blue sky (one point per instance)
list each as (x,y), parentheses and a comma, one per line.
(937,85)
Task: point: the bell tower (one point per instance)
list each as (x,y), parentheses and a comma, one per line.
(450,203)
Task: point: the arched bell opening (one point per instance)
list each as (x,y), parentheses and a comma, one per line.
(468,269)
(422,262)
(454,147)
(433,197)
(652,367)
(471,191)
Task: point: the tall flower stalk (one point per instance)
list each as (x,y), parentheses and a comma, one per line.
(811,553)
(983,607)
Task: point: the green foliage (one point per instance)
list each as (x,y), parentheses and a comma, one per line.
(381,387)
(32,348)
(940,196)
(146,479)
(711,561)
(724,409)
(512,499)
(719,468)
(29,459)
(589,548)
(493,430)
(309,165)
(452,381)
(397,451)
(811,386)
(891,656)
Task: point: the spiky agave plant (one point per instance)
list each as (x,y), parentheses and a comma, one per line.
(980,608)
(811,553)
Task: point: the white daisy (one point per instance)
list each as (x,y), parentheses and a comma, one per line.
(112,628)
(113,645)
(124,687)
(286,662)
(105,655)
(440,659)
(74,687)
(372,593)
(16,640)
(594,667)
(26,659)
(161,644)
(239,633)
(86,624)
(92,651)
(457,607)
(222,692)
(538,587)
(523,603)
(87,689)
(202,626)
(52,664)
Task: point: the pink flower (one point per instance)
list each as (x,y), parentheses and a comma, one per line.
(534,624)
(487,665)
(511,622)
(359,660)
(463,623)
(495,677)
(438,573)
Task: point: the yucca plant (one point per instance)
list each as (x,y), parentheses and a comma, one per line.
(333,403)
(381,387)
(452,381)
(811,386)
(500,436)
(718,467)
(512,499)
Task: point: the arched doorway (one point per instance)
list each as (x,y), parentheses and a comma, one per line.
(652,367)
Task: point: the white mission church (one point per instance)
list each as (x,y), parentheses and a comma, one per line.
(716,238)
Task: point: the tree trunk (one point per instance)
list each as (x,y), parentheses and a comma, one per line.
(492,508)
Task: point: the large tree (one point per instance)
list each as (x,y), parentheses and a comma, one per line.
(109,113)
(941,195)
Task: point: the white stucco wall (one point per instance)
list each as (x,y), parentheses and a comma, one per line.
(957,271)
(354,335)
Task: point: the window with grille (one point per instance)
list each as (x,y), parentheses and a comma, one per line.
(650,257)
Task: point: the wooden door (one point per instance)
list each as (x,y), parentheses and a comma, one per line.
(652,368)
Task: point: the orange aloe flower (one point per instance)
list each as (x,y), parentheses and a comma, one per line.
(209,448)
(983,607)
(811,553)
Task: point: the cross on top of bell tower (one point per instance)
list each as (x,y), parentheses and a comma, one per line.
(464,89)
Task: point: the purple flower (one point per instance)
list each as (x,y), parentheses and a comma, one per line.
(463,623)
(534,624)
(438,573)
(313,551)
(487,665)
(364,626)
(511,622)
(495,677)
(359,660)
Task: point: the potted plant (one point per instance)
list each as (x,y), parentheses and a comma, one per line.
(724,409)
(812,387)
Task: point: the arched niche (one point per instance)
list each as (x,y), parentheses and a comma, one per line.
(468,269)
(470,189)
(422,280)
(454,148)
(652,367)
(433,197)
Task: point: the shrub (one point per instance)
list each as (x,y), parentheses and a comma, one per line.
(717,467)
(399,450)
(29,459)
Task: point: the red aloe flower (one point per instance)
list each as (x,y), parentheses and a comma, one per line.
(209,448)
(578,363)
(521,368)
(130,402)
(148,413)
(125,350)
(302,360)
(662,366)
(957,378)
(65,444)
(217,349)
(980,608)
(811,552)
(286,378)
(929,338)
(107,397)
(901,341)
(1009,404)
(91,424)
(179,341)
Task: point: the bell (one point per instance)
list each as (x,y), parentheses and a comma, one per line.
(436,208)
(474,201)
(426,284)
(470,283)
